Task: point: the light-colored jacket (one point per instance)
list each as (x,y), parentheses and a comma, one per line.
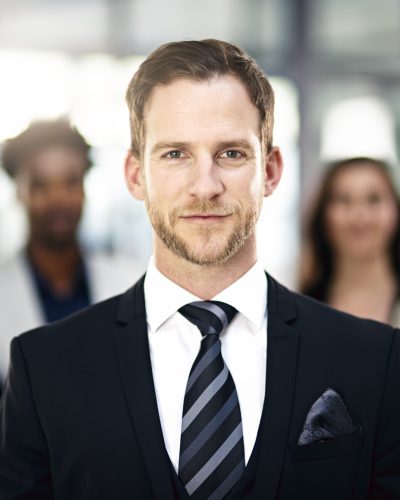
(395,315)
(20,308)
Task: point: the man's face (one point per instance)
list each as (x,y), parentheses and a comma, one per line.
(202,173)
(50,185)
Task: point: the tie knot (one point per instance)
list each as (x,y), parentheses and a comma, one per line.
(210,316)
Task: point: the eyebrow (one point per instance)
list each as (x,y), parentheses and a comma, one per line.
(169,145)
(240,143)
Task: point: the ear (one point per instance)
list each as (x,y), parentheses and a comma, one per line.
(273,170)
(134,176)
(21,191)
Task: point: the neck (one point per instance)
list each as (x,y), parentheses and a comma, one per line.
(365,288)
(204,281)
(57,266)
(363,272)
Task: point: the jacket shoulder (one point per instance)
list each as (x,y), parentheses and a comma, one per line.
(82,324)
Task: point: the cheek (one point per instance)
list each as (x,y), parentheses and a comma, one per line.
(335,219)
(247,187)
(36,204)
(79,198)
(160,197)
(159,185)
(155,195)
(73,198)
(389,220)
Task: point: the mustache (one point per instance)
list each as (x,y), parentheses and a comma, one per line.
(204,208)
(214,208)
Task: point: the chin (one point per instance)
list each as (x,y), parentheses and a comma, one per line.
(209,254)
(363,252)
(205,259)
(209,247)
(60,241)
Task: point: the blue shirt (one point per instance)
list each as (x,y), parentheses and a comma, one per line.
(56,306)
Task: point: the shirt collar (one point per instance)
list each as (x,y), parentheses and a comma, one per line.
(164,297)
(248,295)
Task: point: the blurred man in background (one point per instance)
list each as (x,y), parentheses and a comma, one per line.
(51,277)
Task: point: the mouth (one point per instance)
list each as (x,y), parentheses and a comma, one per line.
(204,217)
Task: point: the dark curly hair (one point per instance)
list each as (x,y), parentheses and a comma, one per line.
(40,135)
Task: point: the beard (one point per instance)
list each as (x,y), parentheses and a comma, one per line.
(213,253)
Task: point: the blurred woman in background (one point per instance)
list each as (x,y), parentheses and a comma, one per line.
(351,258)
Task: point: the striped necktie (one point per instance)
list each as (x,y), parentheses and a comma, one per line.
(211,458)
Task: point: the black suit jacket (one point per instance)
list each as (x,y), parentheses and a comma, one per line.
(79,419)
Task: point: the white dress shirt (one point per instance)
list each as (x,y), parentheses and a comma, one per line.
(175,343)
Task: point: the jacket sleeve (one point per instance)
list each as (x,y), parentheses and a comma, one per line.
(24,458)
(386,472)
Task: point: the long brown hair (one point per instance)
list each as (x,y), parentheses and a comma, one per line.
(317,263)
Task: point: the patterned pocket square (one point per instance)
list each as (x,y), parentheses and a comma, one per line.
(328,418)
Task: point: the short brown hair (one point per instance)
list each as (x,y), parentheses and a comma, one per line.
(42,134)
(199,61)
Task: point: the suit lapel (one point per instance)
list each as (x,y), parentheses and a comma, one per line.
(135,367)
(280,384)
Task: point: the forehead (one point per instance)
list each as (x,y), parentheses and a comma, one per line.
(360,177)
(190,109)
(52,162)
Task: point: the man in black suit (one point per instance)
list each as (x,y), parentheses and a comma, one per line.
(128,400)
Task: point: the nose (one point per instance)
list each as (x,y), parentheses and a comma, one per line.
(205,178)
(360,211)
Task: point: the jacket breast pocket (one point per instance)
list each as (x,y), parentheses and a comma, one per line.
(327,469)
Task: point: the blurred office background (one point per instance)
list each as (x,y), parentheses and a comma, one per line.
(334,64)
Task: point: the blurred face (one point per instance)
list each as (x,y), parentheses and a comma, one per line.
(50,185)
(361,214)
(203,174)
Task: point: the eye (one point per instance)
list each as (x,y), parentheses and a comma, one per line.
(339,199)
(74,181)
(232,158)
(374,198)
(232,154)
(174,155)
(38,184)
